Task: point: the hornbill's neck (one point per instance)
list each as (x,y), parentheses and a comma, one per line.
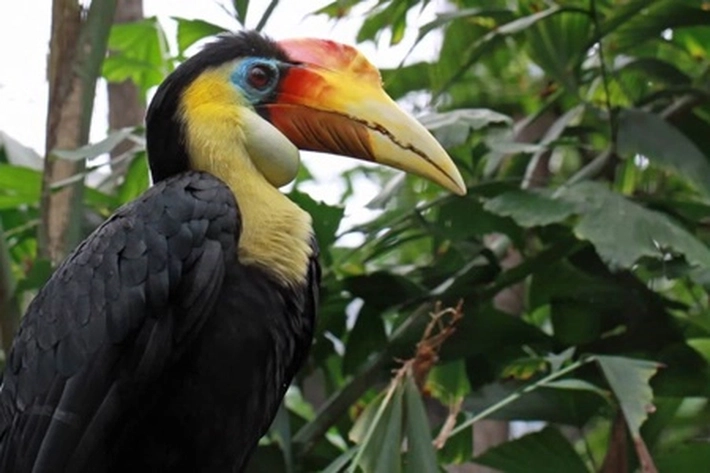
(276,233)
(203,130)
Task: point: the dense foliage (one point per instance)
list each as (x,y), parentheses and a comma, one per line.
(573,278)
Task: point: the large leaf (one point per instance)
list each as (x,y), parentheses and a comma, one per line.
(445,18)
(685,458)
(379,433)
(382,290)
(139,53)
(448,382)
(647,134)
(655,68)
(659,16)
(21,186)
(20,181)
(93,150)
(136,180)
(530,208)
(392,17)
(453,128)
(367,337)
(326,220)
(557,44)
(629,379)
(191,31)
(564,406)
(420,451)
(240,10)
(402,80)
(546,451)
(623,231)
(492,39)
(486,329)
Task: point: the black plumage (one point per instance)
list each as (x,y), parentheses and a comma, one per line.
(152,348)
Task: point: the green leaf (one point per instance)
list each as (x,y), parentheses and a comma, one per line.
(557,45)
(420,451)
(637,231)
(378,431)
(191,31)
(382,289)
(562,123)
(629,380)
(37,276)
(139,52)
(398,82)
(366,337)
(136,180)
(91,151)
(546,451)
(337,9)
(684,458)
(372,413)
(655,68)
(296,403)
(487,330)
(526,22)
(443,19)
(15,201)
(240,9)
(341,462)
(575,322)
(449,381)
(20,181)
(649,135)
(281,431)
(564,406)
(576,384)
(326,218)
(100,200)
(530,208)
(393,17)
(459,447)
(701,345)
(453,128)
(657,17)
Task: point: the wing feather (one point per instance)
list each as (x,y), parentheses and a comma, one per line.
(110,319)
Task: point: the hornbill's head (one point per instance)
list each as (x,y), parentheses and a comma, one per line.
(268,99)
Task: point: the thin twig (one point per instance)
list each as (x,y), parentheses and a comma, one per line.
(449,424)
(520,392)
(605,75)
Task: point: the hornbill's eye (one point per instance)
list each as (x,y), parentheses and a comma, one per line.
(260,76)
(257,78)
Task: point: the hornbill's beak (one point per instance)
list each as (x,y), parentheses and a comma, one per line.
(331,99)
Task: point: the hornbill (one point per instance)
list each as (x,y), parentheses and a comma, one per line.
(167,339)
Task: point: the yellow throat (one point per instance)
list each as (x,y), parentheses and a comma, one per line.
(276,234)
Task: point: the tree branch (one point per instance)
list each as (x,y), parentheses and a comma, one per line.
(77,49)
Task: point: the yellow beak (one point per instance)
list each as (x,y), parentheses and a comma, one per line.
(331,99)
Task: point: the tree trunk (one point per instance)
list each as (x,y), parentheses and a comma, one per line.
(77,48)
(126,106)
